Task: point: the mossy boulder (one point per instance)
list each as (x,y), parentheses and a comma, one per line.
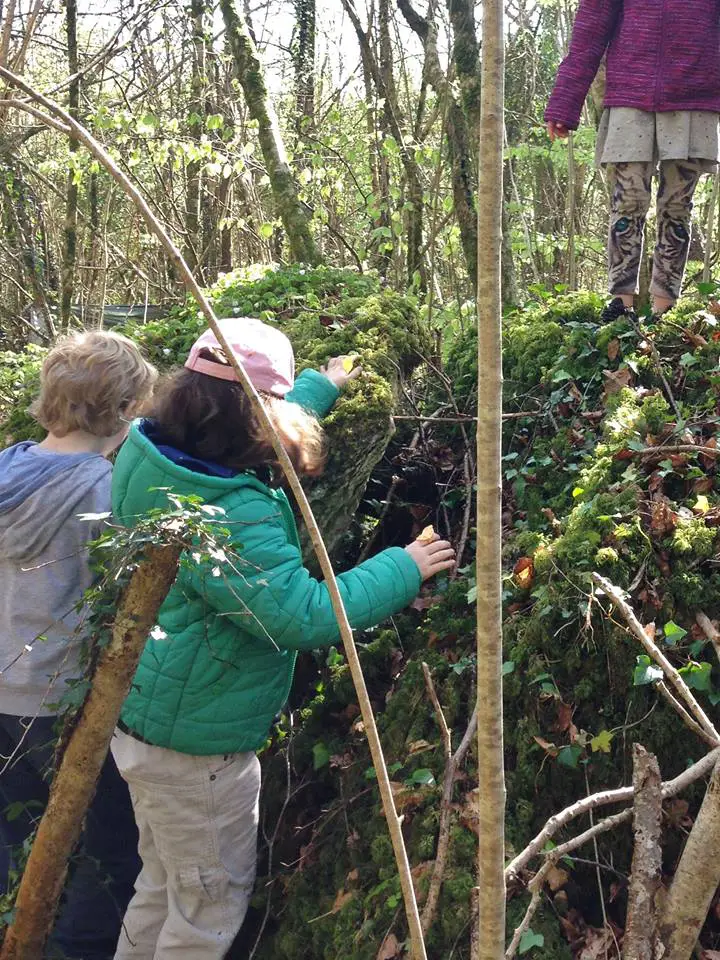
(325,312)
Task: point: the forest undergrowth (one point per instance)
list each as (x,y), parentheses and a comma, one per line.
(610,459)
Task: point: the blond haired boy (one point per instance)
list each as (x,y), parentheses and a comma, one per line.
(92,384)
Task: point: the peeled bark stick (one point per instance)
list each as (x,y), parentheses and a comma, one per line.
(641,926)
(191,284)
(488,564)
(74,784)
(658,656)
(696,880)
(452,762)
(669,789)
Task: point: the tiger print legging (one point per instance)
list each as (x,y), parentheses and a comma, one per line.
(628,209)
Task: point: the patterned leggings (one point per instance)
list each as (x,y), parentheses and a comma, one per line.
(628,209)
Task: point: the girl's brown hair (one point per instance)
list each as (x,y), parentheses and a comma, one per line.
(212,419)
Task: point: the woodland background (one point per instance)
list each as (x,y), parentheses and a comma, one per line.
(366,241)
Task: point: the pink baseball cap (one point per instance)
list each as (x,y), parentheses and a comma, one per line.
(265,353)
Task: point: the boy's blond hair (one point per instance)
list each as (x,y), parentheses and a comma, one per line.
(92,381)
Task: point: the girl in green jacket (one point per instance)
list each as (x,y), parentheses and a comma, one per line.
(219,664)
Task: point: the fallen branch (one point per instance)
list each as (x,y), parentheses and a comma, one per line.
(259,410)
(606,797)
(656,654)
(452,762)
(641,925)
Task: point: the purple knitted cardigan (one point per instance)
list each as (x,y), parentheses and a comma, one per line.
(661,55)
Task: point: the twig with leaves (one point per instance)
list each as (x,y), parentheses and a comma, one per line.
(655,653)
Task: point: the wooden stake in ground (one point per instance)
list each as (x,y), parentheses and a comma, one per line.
(491,803)
(60,119)
(74,783)
(641,926)
(696,880)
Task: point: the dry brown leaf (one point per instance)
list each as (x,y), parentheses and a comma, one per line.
(616,380)
(556,878)
(417,746)
(353,876)
(613,349)
(548,747)
(405,797)
(524,572)
(389,949)
(599,944)
(708,459)
(343,897)
(564,717)
(663,518)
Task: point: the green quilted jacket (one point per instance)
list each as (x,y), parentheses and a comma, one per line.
(213,678)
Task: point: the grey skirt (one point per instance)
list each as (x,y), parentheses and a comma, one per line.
(627,135)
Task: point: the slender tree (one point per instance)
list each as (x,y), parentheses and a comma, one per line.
(249,73)
(491,799)
(67,273)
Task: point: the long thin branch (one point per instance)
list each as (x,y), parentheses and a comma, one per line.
(394,823)
(656,654)
(452,762)
(684,715)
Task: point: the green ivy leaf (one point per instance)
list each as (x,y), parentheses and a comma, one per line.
(673,633)
(569,756)
(508,667)
(321,756)
(423,777)
(266,230)
(646,672)
(697,676)
(529,940)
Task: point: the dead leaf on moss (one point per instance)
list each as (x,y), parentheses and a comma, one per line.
(616,380)
(524,572)
(417,746)
(557,878)
(389,949)
(343,897)
(564,717)
(599,944)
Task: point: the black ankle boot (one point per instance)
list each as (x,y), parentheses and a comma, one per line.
(615,309)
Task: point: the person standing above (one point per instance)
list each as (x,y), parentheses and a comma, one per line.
(662,102)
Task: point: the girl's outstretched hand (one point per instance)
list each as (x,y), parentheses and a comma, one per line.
(431,557)
(340,370)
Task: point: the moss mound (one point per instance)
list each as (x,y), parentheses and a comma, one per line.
(592,482)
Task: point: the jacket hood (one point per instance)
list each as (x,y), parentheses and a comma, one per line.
(143,475)
(39,492)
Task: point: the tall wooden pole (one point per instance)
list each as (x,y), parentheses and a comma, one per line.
(490,941)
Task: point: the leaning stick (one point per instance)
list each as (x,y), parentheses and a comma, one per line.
(394,824)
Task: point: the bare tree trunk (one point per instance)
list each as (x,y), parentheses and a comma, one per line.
(249,72)
(696,879)
(304,63)
(414,226)
(464,182)
(196,124)
(491,798)
(75,781)
(641,926)
(67,272)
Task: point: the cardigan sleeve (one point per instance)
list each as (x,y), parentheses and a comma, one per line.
(265,590)
(593,30)
(314,392)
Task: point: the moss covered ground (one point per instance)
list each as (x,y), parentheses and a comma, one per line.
(609,466)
